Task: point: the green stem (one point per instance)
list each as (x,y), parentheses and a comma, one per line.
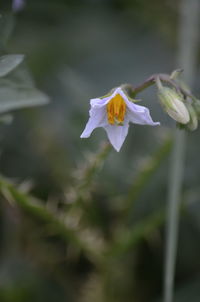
(175,183)
(187,56)
(36,209)
(153,79)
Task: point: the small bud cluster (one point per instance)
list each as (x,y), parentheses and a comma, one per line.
(179,103)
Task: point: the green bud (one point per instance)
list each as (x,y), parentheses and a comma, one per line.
(196,105)
(193,123)
(172,103)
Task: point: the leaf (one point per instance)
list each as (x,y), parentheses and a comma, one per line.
(8,63)
(12,98)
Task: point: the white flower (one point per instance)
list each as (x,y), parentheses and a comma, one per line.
(113,112)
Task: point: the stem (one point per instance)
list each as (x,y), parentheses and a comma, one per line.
(188,34)
(153,79)
(149,82)
(37,210)
(175,183)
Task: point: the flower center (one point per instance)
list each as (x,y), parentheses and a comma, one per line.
(116,110)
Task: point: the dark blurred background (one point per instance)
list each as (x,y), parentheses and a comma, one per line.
(76,50)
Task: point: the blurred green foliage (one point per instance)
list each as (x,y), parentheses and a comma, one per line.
(78,223)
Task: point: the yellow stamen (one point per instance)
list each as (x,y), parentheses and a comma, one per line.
(116,110)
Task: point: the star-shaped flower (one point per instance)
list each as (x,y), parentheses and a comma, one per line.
(114,112)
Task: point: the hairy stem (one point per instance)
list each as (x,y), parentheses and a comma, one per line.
(168,79)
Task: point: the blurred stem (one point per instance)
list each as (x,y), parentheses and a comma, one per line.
(93,167)
(175,183)
(7,24)
(187,54)
(85,182)
(36,209)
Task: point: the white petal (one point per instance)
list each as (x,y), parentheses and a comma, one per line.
(98,103)
(117,134)
(97,118)
(132,106)
(137,114)
(141,117)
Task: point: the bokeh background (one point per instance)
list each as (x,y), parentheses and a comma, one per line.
(97,229)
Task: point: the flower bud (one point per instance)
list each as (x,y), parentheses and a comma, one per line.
(193,123)
(172,103)
(196,105)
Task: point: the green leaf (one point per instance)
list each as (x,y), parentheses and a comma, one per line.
(12,98)
(8,63)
